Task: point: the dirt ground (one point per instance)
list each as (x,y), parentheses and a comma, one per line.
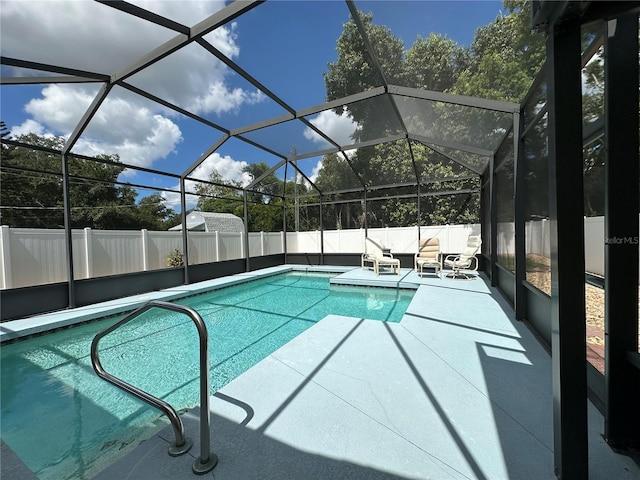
(539,275)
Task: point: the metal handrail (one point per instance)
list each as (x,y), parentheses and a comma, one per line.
(207,460)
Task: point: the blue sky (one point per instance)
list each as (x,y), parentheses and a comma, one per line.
(286,45)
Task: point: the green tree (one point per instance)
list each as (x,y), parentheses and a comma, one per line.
(31,193)
(434,63)
(96,200)
(500,64)
(154,214)
(269,185)
(218,196)
(355,72)
(505,57)
(32,190)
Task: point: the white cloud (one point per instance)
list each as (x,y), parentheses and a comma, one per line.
(337,127)
(28,126)
(228,168)
(315,171)
(136,129)
(138,135)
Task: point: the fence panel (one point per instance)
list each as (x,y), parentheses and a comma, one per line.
(594,244)
(344,241)
(255,244)
(272,243)
(537,238)
(115,252)
(304,242)
(398,239)
(37,256)
(202,247)
(81,245)
(230,246)
(160,245)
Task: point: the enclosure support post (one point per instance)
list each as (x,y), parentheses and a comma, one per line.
(321,235)
(418,209)
(246,231)
(364,212)
(185,233)
(284,213)
(67,229)
(519,196)
(566,221)
(622,378)
(493,211)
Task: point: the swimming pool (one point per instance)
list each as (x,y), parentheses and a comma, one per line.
(64,422)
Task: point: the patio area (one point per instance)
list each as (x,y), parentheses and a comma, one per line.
(458,389)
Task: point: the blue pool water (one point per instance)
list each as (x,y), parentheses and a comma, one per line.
(66,423)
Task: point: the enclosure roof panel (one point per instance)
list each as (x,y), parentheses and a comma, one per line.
(211,84)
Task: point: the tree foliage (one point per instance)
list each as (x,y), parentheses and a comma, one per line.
(32,191)
(265,205)
(500,64)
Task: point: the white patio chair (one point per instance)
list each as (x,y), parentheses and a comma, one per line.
(466,260)
(428,256)
(378,256)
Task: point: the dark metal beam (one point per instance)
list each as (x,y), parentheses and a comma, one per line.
(205,155)
(519,212)
(145,15)
(367,42)
(165,103)
(260,146)
(244,74)
(66,202)
(493,219)
(223,16)
(262,124)
(622,379)
(44,67)
(483,103)
(320,153)
(86,157)
(454,145)
(255,181)
(356,97)
(209,24)
(465,191)
(86,118)
(46,80)
(568,319)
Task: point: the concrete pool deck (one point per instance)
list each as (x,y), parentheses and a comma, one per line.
(457,390)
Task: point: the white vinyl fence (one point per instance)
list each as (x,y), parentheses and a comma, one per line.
(453,238)
(38,256)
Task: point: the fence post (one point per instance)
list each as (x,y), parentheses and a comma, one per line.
(242,255)
(5,251)
(145,249)
(88,249)
(262,243)
(217,245)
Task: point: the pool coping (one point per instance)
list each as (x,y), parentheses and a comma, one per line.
(38,324)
